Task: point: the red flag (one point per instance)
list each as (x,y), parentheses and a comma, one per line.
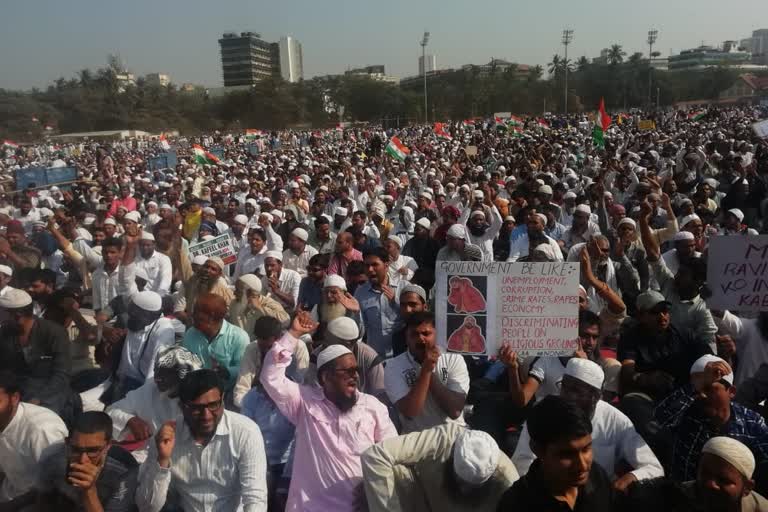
(605,119)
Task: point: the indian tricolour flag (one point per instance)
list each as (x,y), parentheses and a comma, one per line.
(468,124)
(164,143)
(10,144)
(602,122)
(541,123)
(515,121)
(202,156)
(697,115)
(397,149)
(252,134)
(441,133)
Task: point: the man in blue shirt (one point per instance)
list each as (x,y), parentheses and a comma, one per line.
(379,302)
(218,343)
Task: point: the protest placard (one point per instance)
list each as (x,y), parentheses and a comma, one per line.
(534,307)
(471,150)
(222,246)
(761,129)
(646,124)
(737,273)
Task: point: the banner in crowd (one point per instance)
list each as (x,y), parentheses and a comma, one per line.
(532,306)
(737,273)
(646,124)
(761,129)
(222,246)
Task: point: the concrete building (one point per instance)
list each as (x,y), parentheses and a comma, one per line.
(708,56)
(431,64)
(602,60)
(376,72)
(498,66)
(759,46)
(748,87)
(291,61)
(157,79)
(247,59)
(124,80)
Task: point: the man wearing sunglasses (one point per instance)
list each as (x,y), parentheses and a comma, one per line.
(88,472)
(208,459)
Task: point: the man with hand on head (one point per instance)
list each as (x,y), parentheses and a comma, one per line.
(232,475)
(335,423)
(448,468)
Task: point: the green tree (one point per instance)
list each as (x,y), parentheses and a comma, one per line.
(616,55)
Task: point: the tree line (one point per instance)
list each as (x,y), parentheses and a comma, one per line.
(96,100)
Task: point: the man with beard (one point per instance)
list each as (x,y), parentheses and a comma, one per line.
(299,252)
(156,265)
(683,251)
(428,386)
(144,410)
(87,472)
(42,283)
(336,302)
(480,232)
(703,408)
(446,468)
(614,438)
(340,219)
(751,335)
(148,332)
(335,423)
(233,476)
(281,283)
(455,241)
(523,244)
(344,331)
(423,249)
(582,229)
(37,352)
(323,239)
(208,280)
(250,304)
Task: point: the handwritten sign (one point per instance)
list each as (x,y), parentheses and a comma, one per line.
(737,273)
(646,124)
(532,306)
(222,246)
(761,129)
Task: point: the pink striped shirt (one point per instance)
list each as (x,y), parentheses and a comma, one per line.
(327,474)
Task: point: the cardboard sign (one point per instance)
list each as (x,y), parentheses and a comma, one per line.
(534,307)
(737,273)
(761,129)
(471,150)
(646,124)
(222,246)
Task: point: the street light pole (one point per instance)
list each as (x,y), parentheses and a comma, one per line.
(567,38)
(652,36)
(424,42)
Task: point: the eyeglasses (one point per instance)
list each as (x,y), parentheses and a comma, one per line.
(348,372)
(91,451)
(201,408)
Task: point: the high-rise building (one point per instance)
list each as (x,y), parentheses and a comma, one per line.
(431,64)
(291,61)
(759,47)
(157,79)
(246,58)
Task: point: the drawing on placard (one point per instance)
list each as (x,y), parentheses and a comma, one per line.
(468,338)
(464,296)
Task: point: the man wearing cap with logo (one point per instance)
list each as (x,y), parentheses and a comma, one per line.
(281,284)
(445,468)
(335,423)
(297,256)
(614,438)
(702,408)
(156,266)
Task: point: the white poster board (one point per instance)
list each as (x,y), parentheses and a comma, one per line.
(737,273)
(222,246)
(761,129)
(532,306)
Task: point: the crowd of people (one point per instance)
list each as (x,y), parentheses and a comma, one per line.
(305,373)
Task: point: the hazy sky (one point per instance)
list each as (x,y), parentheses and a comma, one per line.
(41,40)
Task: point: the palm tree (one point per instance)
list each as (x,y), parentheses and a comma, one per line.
(554,66)
(582,63)
(536,73)
(616,55)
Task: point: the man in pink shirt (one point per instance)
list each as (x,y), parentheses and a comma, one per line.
(125,200)
(343,254)
(335,424)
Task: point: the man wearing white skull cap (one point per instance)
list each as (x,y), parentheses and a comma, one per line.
(447,468)
(299,252)
(532,235)
(335,422)
(614,437)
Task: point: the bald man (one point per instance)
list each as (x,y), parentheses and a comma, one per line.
(219,344)
(343,254)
